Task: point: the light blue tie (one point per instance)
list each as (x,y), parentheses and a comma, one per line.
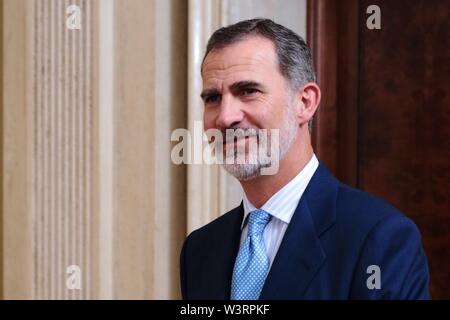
(252,262)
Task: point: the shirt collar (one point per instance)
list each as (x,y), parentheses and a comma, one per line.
(283,203)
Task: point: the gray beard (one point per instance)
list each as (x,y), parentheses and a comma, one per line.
(252,169)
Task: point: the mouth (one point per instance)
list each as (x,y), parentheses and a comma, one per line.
(237,141)
(238,144)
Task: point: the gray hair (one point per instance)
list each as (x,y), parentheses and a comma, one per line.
(294,56)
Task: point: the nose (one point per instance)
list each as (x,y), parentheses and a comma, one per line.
(230,113)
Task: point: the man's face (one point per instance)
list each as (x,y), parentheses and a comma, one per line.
(243,88)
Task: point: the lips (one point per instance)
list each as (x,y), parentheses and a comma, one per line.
(241,145)
(237,141)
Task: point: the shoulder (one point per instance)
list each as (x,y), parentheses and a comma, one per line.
(353,211)
(389,241)
(367,221)
(365,210)
(384,237)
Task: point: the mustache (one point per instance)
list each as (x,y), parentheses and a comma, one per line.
(231,134)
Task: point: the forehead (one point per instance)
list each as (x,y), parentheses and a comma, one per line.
(253,57)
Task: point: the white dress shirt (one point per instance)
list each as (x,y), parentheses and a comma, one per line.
(281,206)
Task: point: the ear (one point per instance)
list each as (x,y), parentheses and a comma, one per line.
(308,101)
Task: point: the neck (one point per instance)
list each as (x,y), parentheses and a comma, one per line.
(262,188)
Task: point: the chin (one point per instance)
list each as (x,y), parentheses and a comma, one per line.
(243,172)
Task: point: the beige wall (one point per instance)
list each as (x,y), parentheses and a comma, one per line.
(149,102)
(17,268)
(86,176)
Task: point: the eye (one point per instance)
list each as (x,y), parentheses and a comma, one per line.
(249,91)
(212,98)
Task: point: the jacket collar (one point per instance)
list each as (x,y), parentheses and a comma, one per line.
(301,253)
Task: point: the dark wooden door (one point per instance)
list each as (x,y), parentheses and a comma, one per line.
(384,123)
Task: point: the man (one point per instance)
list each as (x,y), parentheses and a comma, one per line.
(299,233)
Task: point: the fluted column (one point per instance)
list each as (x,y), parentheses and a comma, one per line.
(49,133)
(62,148)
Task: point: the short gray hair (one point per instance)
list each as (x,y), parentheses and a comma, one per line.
(294,56)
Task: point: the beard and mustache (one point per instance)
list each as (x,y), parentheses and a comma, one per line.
(247,152)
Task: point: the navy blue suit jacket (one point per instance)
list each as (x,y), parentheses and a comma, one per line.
(335,234)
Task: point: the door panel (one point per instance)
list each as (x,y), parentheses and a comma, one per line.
(384,124)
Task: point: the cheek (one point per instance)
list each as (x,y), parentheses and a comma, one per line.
(209,119)
(259,112)
(272,116)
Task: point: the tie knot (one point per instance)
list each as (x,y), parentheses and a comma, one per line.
(257,221)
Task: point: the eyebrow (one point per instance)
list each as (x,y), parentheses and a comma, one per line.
(246,84)
(234,88)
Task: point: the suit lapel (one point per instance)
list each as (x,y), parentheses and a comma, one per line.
(301,254)
(298,258)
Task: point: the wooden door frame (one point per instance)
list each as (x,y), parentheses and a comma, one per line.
(332,33)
